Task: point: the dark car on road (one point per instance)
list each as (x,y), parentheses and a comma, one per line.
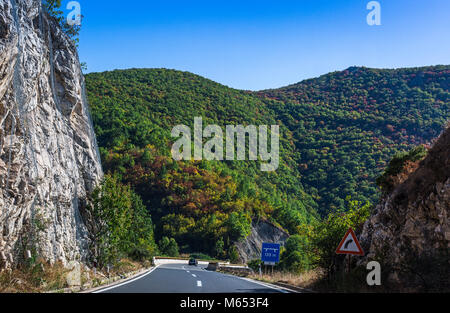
(193,261)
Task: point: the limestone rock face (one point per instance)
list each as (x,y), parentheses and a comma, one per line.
(409,231)
(262,231)
(49,158)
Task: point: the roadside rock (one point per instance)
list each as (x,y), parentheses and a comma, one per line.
(49,159)
(262,231)
(73,278)
(408,232)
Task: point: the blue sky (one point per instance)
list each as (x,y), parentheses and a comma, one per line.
(262,44)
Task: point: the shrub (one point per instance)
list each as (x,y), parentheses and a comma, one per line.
(295,256)
(326,235)
(255,264)
(397,165)
(200,256)
(53,7)
(233,254)
(122,226)
(219,248)
(169,247)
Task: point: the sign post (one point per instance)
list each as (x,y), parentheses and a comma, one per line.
(270,254)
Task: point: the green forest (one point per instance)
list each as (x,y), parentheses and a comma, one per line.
(348,125)
(338,134)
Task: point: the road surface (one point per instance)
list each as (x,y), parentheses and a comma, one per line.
(183,278)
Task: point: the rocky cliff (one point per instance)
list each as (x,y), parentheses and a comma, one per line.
(409,232)
(49,159)
(262,231)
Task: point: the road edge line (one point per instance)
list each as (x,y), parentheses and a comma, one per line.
(126,282)
(268,285)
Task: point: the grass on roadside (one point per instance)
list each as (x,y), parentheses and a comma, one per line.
(34,278)
(42,277)
(304,280)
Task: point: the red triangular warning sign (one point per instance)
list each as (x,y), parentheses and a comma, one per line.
(350,244)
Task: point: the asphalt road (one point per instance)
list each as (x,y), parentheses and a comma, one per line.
(183,278)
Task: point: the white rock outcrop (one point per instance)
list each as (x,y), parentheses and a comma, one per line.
(49,158)
(262,231)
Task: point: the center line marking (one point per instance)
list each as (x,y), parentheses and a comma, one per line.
(194,275)
(199,283)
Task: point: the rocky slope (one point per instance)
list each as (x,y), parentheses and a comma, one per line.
(48,154)
(409,232)
(262,231)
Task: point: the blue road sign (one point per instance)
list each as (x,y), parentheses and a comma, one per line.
(270,252)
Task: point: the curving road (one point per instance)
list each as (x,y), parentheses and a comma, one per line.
(182,278)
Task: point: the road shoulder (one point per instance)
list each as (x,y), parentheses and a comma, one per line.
(138,275)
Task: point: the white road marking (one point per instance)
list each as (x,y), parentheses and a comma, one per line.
(188,271)
(127,282)
(282,289)
(275,287)
(199,283)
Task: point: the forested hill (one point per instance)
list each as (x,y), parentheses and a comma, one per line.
(347,125)
(338,133)
(200,204)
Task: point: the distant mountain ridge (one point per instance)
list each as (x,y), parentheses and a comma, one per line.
(356,120)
